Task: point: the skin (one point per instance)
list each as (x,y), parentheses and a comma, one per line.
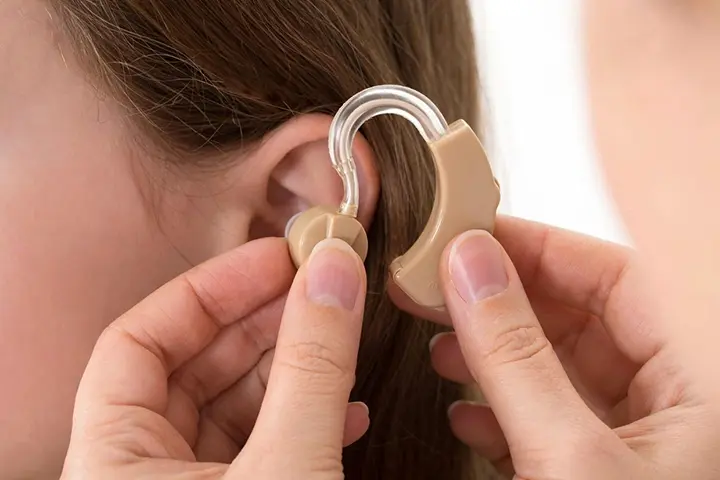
(132,416)
(651,412)
(654,76)
(612,350)
(596,361)
(90,224)
(605,351)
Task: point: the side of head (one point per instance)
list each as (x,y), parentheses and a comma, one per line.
(143,137)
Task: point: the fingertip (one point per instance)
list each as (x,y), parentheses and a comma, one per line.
(361,406)
(453,406)
(439,337)
(475,425)
(334,244)
(357,422)
(274,248)
(477,267)
(339,248)
(457,242)
(447,359)
(475,271)
(334,275)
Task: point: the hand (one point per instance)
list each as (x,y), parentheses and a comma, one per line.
(580,381)
(174,386)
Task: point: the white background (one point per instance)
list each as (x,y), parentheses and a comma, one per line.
(538,133)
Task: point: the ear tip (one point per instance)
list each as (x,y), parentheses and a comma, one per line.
(289,224)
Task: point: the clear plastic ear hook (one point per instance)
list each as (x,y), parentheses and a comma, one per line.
(372,102)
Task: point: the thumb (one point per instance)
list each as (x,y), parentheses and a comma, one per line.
(302,419)
(506,349)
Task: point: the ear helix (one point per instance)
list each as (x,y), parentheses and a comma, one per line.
(466,197)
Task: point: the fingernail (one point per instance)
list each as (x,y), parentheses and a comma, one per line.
(333,278)
(436,338)
(363,405)
(477,268)
(456,404)
(469,403)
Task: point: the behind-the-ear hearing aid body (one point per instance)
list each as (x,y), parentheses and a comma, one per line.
(466,194)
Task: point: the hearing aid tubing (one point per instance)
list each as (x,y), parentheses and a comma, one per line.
(466,195)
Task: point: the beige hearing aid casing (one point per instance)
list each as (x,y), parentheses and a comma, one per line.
(320,223)
(466,198)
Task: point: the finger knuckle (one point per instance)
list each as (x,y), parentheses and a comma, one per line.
(317,359)
(517,344)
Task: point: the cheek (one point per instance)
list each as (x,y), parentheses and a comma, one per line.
(77,245)
(654,78)
(77,248)
(654,84)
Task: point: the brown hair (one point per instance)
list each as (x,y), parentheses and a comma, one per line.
(203,75)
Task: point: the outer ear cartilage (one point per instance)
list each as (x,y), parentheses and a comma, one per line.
(466,193)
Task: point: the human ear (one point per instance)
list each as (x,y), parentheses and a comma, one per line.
(294,173)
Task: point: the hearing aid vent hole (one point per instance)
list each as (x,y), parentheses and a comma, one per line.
(289,224)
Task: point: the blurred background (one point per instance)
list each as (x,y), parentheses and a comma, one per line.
(538,131)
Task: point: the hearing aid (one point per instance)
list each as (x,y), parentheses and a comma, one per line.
(466,192)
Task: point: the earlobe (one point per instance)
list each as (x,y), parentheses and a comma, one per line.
(298,175)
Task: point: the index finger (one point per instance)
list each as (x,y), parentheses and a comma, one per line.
(137,353)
